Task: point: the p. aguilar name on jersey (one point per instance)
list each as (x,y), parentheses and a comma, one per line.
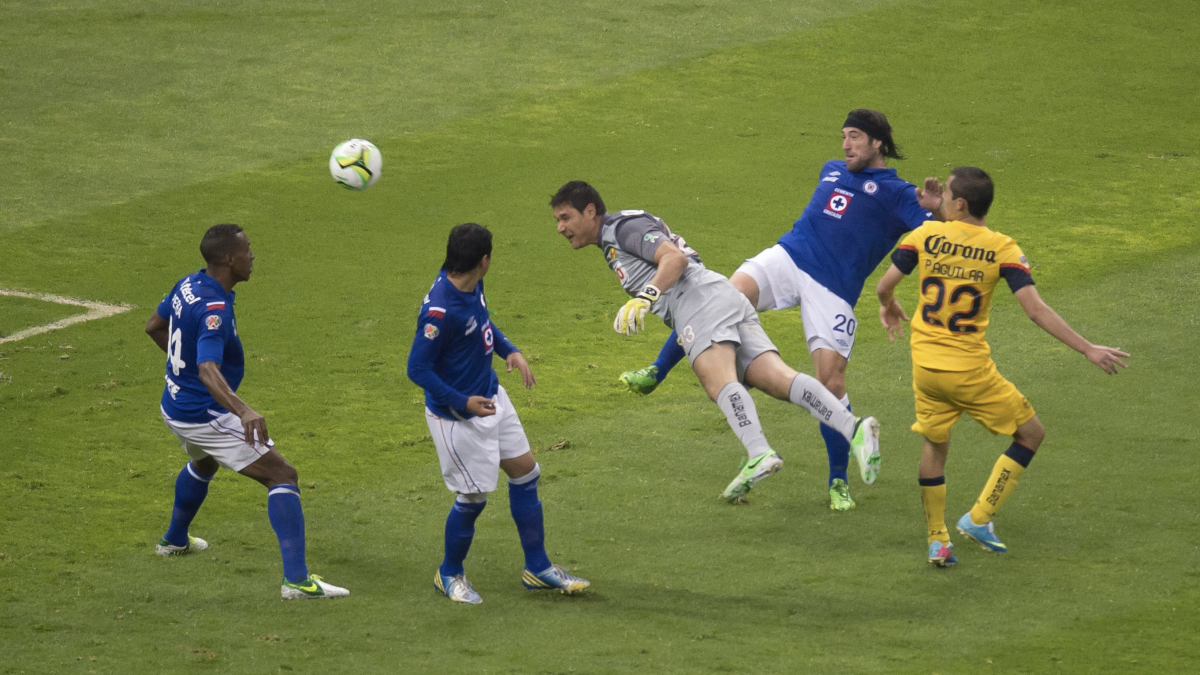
(960,265)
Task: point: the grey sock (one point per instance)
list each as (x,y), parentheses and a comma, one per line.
(742,416)
(808,393)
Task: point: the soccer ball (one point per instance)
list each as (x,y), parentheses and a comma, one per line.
(356,164)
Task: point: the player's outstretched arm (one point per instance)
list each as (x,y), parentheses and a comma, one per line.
(158,328)
(891,314)
(252,422)
(1105,358)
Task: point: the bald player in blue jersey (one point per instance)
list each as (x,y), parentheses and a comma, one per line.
(195,325)
(473,423)
(858,211)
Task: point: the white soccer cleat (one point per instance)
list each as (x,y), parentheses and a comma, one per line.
(166,548)
(457,588)
(866,448)
(312,588)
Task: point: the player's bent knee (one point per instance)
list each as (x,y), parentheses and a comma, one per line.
(1031,433)
(471,498)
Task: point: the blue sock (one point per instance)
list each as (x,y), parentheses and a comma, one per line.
(191,487)
(460,530)
(670,354)
(838,449)
(527,514)
(287,518)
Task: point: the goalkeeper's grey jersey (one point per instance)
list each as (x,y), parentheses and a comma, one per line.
(629,240)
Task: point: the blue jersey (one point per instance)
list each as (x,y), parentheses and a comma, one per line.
(851,223)
(451,356)
(201,328)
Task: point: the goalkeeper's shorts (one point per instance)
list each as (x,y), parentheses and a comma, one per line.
(711,311)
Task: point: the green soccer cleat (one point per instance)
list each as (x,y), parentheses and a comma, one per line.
(752,471)
(839,496)
(311,588)
(866,448)
(641,381)
(166,548)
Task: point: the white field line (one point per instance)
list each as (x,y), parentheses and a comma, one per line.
(96,310)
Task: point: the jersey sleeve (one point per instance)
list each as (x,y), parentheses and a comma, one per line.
(503,346)
(1014,267)
(164,307)
(905,256)
(215,323)
(909,209)
(641,237)
(428,344)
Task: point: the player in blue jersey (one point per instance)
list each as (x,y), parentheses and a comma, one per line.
(473,423)
(196,327)
(858,211)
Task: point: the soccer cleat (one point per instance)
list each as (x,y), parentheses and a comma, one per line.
(457,588)
(166,548)
(555,578)
(984,535)
(311,588)
(752,471)
(866,448)
(839,496)
(641,381)
(941,554)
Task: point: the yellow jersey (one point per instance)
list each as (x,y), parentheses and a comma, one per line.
(960,265)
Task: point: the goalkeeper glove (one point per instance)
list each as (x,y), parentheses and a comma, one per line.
(631,318)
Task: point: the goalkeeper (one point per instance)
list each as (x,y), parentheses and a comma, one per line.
(718,328)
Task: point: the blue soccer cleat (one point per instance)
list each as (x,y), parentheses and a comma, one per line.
(941,554)
(555,578)
(984,535)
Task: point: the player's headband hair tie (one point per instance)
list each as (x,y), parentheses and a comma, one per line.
(864,123)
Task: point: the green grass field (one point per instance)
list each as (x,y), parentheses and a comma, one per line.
(129,128)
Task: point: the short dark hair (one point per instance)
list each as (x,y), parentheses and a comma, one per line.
(875,124)
(578,194)
(220,240)
(974,185)
(468,244)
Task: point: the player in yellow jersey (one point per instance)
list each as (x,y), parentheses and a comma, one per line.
(960,261)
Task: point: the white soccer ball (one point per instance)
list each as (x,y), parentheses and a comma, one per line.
(356,164)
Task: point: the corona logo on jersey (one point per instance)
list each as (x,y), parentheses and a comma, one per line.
(936,245)
(212,321)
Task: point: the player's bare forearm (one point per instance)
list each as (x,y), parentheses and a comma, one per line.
(671,264)
(1048,320)
(159,330)
(253,424)
(886,289)
(1107,359)
(210,375)
(891,314)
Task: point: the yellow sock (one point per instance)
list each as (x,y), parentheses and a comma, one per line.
(1004,478)
(933,499)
